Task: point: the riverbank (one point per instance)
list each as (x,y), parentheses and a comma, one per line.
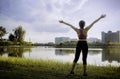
(20,68)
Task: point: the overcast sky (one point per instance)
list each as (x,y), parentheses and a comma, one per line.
(40,17)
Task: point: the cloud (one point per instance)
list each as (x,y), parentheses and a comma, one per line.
(40,17)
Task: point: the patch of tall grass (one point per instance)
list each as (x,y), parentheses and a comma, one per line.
(21,68)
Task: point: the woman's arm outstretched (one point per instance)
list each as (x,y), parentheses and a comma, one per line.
(102,16)
(74,28)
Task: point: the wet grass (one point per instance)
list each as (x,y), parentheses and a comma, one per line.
(20,68)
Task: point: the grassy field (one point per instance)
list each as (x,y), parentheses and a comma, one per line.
(20,68)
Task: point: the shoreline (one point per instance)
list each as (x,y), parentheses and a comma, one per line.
(20,68)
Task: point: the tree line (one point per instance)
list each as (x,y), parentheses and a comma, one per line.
(15,38)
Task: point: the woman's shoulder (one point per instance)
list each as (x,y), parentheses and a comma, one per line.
(87,28)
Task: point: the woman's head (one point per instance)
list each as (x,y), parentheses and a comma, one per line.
(82,24)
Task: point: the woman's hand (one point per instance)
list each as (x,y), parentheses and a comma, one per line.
(103,16)
(61,21)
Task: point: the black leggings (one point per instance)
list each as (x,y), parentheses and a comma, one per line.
(81,45)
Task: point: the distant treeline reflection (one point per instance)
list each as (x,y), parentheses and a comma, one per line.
(14,51)
(111,54)
(69,51)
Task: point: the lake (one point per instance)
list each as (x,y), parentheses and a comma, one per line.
(96,56)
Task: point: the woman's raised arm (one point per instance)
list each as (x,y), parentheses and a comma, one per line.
(102,16)
(74,28)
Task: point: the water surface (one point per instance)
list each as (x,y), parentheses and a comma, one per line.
(96,56)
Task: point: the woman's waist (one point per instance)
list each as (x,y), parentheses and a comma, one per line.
(82,39)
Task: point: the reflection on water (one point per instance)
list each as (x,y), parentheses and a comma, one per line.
(111,54)
(104,56)
(69,51)
(63,52)
(13,51)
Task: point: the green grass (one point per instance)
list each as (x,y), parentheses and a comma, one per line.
(20,68)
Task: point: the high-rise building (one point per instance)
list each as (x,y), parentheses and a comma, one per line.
(59,40)
(110,36)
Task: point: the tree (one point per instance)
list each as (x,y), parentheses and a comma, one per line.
(19,33)
(11,37)
(2,31)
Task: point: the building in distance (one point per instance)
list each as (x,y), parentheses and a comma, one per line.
(92,39)
(110,36)
(59,40)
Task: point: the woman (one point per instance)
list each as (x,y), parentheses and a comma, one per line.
(82,43)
